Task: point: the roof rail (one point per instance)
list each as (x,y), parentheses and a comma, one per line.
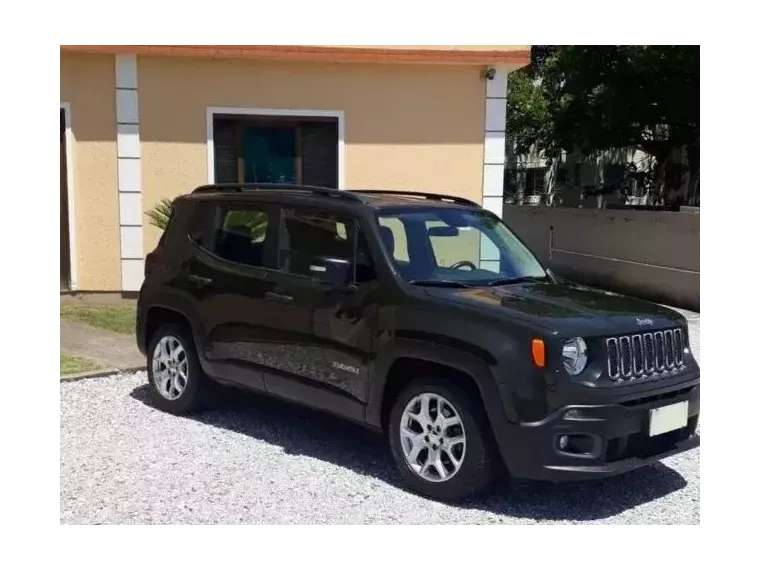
(426,195)
(244,187)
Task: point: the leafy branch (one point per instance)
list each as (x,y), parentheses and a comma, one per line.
(159,215)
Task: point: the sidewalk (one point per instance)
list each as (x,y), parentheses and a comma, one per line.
(113,351)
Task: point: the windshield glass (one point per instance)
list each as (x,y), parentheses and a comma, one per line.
(452,244)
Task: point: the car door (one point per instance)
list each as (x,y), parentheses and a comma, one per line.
(326,365)
(230,275)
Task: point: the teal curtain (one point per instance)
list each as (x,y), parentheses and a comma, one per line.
(269,155)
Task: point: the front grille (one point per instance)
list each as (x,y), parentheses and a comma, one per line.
(639,355)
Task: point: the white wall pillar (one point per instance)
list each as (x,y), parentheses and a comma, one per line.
(494,157)
(129,173)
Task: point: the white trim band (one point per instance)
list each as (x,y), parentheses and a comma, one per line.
(494,157)
(129,173)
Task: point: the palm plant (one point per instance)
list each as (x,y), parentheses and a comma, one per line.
(160,213)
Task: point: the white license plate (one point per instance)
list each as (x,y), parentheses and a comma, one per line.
(669,418)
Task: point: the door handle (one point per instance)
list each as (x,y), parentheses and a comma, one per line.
(198,280)
(271,296)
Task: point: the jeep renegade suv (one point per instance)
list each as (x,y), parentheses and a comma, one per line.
(422,316)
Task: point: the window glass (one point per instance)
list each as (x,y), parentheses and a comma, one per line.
(309,237)
(456,244)
(240,235)
(394,238)
(199,227)
(449,249)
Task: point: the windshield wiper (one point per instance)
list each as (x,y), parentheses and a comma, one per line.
(513,280)
(439,283)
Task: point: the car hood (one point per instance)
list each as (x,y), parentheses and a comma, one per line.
(564,307)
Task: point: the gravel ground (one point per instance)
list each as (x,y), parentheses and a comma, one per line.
(257,460)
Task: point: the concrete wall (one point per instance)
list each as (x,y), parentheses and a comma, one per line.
(652,255)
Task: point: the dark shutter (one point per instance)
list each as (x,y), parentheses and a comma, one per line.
(65,256)
(319,153)
(225,151)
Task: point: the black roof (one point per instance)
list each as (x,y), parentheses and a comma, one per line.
(373,198)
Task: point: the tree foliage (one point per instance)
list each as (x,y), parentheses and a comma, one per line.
(603,97)
(528,119)
(590,99)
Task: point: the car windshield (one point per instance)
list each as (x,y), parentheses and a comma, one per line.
(454,246)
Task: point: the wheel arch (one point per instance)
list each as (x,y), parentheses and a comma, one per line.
(417,358)
(169,308)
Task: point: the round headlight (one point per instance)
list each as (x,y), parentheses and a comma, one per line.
(574,355)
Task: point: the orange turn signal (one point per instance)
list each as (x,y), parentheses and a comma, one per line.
(539,352)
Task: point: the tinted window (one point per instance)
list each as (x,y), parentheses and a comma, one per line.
(394,237)
(240,235)
(167,228)
(199,226)
(307,237)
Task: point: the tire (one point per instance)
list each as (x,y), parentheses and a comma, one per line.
(195,390)
(476,453)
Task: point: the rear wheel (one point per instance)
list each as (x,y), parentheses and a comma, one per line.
(440,440)
(178,383)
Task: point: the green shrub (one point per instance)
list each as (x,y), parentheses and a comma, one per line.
(160,213)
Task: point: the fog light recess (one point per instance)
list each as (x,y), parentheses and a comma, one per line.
(576,444)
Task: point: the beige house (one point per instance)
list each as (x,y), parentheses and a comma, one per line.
(141,123)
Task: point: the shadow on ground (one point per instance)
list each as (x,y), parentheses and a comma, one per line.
(300,431)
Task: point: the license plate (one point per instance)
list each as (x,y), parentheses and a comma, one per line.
(668,418)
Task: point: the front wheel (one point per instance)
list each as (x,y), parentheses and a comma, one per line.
(440,441)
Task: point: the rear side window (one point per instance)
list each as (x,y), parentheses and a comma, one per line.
(240,235)
(198,222)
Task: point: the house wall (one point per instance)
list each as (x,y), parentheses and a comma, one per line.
(406,127)
(139,133)
(652,255)
(87,85)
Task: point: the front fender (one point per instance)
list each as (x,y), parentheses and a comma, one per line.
(497,410)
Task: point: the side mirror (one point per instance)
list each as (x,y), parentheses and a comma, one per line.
(335,271)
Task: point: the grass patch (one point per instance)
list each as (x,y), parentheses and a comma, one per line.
(111,318)
(71,364)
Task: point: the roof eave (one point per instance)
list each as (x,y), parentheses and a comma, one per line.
(512,58)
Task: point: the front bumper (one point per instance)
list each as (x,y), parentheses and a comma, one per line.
(615,436)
